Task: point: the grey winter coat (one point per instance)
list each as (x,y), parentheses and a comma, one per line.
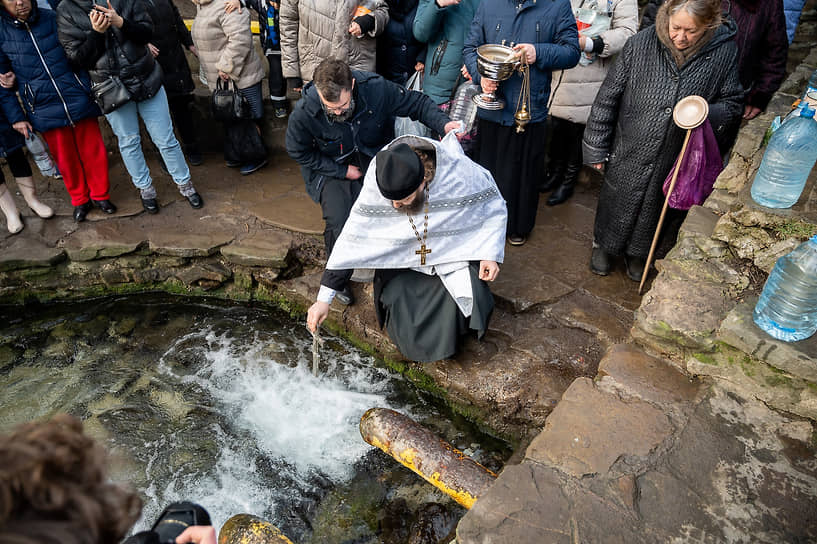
(574,90)
(631,127)
(315,30)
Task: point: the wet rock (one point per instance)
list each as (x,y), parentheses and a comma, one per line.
(25,252)
(395,522)
(628,371)
(122,327)
(796,358)
(682,313)
(7,356)
(205,275)
(269,250)
(434,525)
(589,430)
(187,245)
(171,403)
(102,239)
(249,529)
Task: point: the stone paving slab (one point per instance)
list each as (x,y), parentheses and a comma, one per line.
(102,239)
(269,249)
(589,430)
(188,244)
(796,358)
(28,252)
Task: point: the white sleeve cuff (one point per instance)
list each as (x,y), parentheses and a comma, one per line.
(326,294)
(589,44)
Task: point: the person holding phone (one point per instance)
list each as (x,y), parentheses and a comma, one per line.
(110,40)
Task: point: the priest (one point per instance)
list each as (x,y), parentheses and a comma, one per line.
(429,226)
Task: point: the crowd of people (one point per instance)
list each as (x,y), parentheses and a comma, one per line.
(602,96)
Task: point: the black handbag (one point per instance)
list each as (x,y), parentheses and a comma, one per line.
(243,143)
(228,104)
(110,93)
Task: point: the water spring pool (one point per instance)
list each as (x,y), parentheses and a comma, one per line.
(216,403)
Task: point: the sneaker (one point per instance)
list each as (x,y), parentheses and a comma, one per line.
(151,205)
(345,297)
(232,164)
(250,168)
(635,267)
(105,205)
(599,262)
(195,200)
(280,112)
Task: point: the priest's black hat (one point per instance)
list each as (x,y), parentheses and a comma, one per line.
(399,171)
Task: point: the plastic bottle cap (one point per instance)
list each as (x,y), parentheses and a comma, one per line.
(807,112)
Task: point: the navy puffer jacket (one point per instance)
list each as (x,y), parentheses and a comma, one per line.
(53,95)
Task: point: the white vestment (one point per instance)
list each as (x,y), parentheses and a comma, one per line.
(466,222)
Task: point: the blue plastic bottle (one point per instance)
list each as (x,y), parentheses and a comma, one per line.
(789,157)
(787,308)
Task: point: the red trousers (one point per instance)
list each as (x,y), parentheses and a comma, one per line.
(82,160)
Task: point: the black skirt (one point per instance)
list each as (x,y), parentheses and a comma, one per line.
(517,162)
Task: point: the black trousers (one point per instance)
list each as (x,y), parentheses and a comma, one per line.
(18,164)
(565,142)
(337,197)
(183,119)
(277,83)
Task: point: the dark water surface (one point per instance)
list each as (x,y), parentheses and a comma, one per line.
(216,403)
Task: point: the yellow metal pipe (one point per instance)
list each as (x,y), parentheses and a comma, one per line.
(248,529)
(434,459)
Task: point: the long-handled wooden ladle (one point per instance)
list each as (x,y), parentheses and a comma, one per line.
(689,113)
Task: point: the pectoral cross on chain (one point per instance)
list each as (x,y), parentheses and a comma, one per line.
(422,252)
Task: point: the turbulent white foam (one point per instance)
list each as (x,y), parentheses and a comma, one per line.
(306,426)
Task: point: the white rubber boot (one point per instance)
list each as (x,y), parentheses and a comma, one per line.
(10,210)
(29,192)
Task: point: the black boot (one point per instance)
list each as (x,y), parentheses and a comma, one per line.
(565,190)
(557,159)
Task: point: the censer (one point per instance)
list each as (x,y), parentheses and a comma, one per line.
(523,108)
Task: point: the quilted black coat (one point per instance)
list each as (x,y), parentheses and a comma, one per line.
(631,128)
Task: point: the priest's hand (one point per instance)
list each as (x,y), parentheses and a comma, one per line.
(488,270)
(317,314)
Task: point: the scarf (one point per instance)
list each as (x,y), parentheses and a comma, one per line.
(662,30)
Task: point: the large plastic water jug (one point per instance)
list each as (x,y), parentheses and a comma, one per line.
(463,108)
(787,308)
(789,157)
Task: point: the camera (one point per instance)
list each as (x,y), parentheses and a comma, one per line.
(173,520)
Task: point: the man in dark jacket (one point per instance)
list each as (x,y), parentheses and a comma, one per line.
(56,100)
(343,119)
(112,41)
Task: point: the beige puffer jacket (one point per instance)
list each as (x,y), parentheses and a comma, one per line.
(573,91)
(225,42)
(315,30)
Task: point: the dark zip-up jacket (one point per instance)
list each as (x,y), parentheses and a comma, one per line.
(119,51)
(52,93)
(547,24)
(326,149)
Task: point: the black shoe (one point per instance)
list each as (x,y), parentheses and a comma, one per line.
(345,297)
(194,157)
(635,267)
(195,200)
(81,212)
(560,195)
(517,239)
(105,205)
(599,262)
(232,164)
(151,205)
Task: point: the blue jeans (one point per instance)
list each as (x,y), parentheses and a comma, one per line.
(156,116)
